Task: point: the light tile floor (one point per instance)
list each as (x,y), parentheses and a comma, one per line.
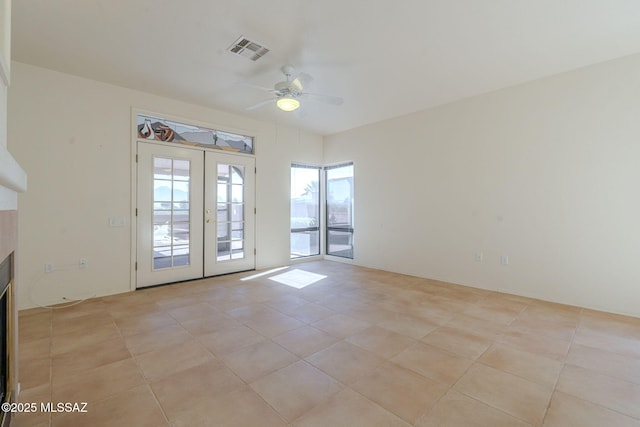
(360,347)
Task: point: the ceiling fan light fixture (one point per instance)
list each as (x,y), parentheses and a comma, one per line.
(287,103)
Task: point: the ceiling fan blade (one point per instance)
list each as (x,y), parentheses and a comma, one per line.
(259,104)
(301,80)
(252,86)
(327,99)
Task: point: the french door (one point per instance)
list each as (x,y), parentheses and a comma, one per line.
(229,224)
(195,214)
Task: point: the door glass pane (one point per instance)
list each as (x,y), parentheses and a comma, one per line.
(339,184)
(223,232)
(223,173)
(224,250)
(161,257)
(222,193)
(181,170)
(171,212)
(180,256)
(237,249)
(180,215)
(161,217)
(162,191)
(305,210)
(237,174)
(180,233)
(237,193)
(237,212)
(237,231)
(180,191)
(161,168)
(230,215)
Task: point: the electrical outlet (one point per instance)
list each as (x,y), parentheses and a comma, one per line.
(504,260)
(84,263)
(48,267)
(479,256)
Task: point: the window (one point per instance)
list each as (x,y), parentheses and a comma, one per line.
(339,187)
(153,128)
(305,210)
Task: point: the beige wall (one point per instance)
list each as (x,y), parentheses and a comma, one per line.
(546,172)
(3,114)
(73,137)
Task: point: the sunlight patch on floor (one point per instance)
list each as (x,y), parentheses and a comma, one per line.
(297,278)
(264,273)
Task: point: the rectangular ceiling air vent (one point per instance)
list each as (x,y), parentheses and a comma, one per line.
(248,49)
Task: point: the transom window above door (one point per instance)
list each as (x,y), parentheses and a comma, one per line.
(163,130)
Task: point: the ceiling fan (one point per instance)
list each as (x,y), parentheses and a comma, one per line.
(288,93)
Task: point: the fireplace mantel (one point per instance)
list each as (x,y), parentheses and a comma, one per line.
(12,176)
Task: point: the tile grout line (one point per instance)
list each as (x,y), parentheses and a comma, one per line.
(140,371)
(476,361)
(564,363)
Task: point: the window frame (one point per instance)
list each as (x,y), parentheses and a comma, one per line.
(328,228)
(317,228)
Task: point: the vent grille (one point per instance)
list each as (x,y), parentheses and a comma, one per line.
(248,49)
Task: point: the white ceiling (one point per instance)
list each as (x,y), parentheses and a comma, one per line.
(385,58)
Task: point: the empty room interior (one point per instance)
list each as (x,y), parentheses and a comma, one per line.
(289,213)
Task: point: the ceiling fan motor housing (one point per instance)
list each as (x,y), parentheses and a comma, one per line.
(286,89)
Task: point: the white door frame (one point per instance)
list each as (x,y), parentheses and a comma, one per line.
(134,175)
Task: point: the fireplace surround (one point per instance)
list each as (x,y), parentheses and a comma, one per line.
(6,279)
(8,314)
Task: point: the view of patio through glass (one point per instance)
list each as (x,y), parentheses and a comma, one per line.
(170,212)
(305,210)
(339,214)
(230,216)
